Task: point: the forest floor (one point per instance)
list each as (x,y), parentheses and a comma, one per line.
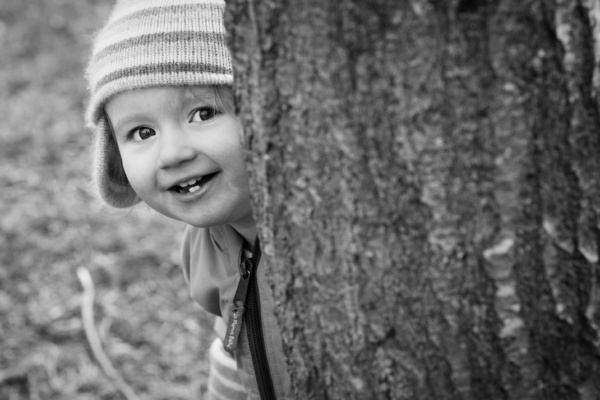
(51,226)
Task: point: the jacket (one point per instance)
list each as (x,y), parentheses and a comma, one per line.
(212,260)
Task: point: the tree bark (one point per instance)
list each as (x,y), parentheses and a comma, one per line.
(426,180)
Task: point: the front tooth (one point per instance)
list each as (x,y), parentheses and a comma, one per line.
(191,182)
(183,184)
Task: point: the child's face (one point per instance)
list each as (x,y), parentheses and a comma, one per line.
(182,155)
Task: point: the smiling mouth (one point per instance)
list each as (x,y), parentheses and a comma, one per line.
(193,184)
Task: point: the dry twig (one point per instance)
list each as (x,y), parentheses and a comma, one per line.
(87,313)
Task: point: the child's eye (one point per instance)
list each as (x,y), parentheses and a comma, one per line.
(204,114)
(140,134)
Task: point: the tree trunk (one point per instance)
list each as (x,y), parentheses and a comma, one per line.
(426,180)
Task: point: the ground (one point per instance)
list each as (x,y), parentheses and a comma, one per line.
(51,225)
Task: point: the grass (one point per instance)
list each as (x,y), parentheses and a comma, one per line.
(51,224)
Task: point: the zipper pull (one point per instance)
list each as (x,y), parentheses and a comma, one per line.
(237,307)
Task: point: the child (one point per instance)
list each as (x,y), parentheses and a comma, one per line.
(161,109)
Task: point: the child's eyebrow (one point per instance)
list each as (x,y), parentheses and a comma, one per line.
(129,119)
(195,97)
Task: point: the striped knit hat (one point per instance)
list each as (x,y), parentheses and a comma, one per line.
(150,43)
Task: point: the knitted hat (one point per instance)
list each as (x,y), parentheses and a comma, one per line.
(150,43)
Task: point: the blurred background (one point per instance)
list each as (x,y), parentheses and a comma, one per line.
(51,227)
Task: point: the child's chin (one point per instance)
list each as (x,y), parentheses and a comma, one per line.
(196,222)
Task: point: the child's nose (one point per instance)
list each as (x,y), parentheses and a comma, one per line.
(174,149)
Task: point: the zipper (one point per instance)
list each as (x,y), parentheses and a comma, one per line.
(238,307)
(254,329)
(246,307)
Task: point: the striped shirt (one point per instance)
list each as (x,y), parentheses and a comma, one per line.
(223,380)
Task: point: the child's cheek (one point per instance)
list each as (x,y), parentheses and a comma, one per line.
(136,175)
